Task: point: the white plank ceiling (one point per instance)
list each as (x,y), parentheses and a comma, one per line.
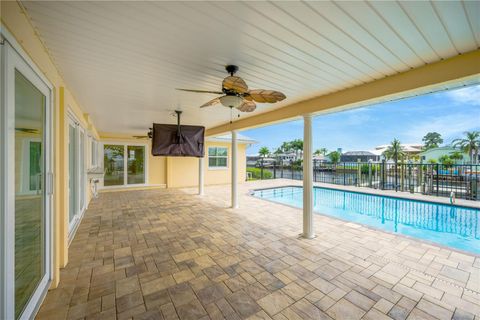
(123,60)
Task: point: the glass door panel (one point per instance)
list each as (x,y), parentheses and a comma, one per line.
(136,164)
(29,207)
(114,165)
(72,177)
(81,165)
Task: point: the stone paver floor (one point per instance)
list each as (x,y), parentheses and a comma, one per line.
(170,254)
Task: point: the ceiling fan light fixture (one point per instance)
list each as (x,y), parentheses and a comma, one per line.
(231,101)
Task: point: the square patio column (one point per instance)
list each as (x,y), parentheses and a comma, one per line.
(308,231)
(201,176)
(234,170)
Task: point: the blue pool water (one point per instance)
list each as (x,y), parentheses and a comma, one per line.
(448,225)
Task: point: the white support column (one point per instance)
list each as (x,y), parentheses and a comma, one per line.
(201,176)
(234,170)
(308,232)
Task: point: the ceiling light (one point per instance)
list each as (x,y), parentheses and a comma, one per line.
(231,101)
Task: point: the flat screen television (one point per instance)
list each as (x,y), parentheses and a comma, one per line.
(178,140)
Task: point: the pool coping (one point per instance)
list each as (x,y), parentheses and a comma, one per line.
(427,242)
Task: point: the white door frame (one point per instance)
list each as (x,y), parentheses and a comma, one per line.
(80,174)
(82,171)
(74,192)
(14,58)
(125,163)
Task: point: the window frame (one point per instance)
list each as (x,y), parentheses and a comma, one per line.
(125,163)
(92,150)
(215,156)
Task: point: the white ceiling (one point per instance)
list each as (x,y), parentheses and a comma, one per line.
(123,60)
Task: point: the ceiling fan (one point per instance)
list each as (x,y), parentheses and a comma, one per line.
(27,130)
(148,136)
(235,93)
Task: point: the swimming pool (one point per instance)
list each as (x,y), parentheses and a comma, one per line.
(448,225)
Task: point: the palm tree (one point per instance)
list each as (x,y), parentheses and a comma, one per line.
(321,151)
(286,146)
(263,152)
(456,156)
(297,146)
(469,144)
(395,152)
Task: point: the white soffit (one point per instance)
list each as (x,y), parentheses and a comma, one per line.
(123,60)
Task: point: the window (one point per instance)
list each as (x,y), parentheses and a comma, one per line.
(217,157)
(124,164)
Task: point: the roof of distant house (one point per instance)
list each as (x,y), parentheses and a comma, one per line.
(449,148)
(407,147)
(404,145)
(358,153)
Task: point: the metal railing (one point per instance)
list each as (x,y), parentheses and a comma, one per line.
(425,178)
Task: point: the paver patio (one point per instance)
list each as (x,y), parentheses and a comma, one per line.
(170,254)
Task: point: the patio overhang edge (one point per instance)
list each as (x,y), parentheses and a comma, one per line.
(421,80)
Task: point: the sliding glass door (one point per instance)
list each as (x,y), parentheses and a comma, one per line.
(114,164)
(76,174)
(124,165)
(135,164)
(26,232)
(72,175)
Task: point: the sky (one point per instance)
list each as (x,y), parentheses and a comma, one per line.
(449,113)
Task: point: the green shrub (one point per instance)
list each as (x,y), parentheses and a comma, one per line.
(257,173)
(364,168)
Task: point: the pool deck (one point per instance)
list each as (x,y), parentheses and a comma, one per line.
(171,254)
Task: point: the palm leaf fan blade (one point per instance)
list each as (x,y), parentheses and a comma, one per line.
(200,91)
(235,84)
(262,96)
(247,106)
(210,103)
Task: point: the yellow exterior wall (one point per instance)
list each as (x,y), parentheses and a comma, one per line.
(183,172)
(157,166)
(18,25)
(178,172)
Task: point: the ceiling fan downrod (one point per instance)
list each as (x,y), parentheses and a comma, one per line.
(231,68)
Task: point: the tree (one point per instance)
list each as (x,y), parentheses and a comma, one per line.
(432,140)
(321,151)
(286,146)
(297,146)
(445,160)
(456,156)
(264,152)
(469,144)
(395,152)
(334,156)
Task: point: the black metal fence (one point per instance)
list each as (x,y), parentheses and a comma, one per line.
(425,178)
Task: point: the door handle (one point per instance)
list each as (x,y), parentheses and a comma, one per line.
(49,183)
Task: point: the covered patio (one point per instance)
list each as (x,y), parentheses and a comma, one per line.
(171,254)
(180,237)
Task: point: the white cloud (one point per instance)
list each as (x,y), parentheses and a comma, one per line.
(470,95)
